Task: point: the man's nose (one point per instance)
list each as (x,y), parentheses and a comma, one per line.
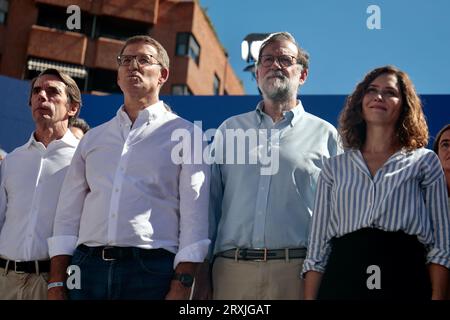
(42,95)
(133,64)
(276,64)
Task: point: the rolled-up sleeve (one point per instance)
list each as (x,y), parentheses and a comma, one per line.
(194,187)
(70,206)
(318,244)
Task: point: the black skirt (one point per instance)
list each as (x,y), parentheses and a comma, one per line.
(372,264)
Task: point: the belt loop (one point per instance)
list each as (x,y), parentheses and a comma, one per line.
(236,254)
(36,264)
(265,254)
(6,268)
(286,254)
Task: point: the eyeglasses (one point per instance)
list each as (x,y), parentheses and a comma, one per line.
(283,60)
(386,94)
(141,59)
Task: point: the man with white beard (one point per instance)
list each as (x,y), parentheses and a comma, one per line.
(259,221)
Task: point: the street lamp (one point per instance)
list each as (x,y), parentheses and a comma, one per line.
(250,49)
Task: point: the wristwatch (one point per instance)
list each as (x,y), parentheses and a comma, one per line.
(186,279)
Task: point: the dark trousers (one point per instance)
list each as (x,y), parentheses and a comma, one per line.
(143,274)
(399,261)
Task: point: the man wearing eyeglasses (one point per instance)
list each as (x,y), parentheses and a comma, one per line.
(132,218)
(259,219)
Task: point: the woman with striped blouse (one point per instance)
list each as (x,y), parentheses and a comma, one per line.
(381,226)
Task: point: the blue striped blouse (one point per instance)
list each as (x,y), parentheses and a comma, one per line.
(407,193)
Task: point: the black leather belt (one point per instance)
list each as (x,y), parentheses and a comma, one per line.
(25,266)
(264,254)
(109,253)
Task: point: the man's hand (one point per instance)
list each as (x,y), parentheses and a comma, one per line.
(57,293)
(203,284)
(178,291)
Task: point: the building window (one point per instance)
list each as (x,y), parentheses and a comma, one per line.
(187,45)
(216,85)
(92,26)
(56,17)
(106,26)
(3,11)
(102,80)
(181,90)
(35,66)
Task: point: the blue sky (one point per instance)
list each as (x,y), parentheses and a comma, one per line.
(414,36)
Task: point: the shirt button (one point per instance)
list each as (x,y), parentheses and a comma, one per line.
(116,190)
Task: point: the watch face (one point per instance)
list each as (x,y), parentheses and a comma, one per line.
(186,279)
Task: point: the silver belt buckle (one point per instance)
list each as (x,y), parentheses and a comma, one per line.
(15,268)
(264,259)
(103,255)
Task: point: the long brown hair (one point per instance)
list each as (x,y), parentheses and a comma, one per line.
(412,129)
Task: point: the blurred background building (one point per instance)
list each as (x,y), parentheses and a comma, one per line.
(34,35)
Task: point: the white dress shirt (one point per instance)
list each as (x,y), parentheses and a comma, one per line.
(31,179)
(123,189)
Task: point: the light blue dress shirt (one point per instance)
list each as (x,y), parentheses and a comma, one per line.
(252,209)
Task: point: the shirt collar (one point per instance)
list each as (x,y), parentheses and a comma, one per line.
(68,139)
(292,115)
(150,113)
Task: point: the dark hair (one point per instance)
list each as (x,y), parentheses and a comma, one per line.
(163,57)
(79,123)
(438,137)
(412,129)
(72,91)
(302,55)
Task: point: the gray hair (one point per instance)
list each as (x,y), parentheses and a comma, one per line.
(302,55)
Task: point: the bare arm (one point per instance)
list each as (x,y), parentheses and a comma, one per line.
(312,283)
(58,273)
(439,281)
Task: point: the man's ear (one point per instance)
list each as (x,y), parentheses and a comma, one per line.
(73,109)
(256,74)
(303,76)
(164,75)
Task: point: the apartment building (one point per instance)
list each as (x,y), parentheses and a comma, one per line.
(84,37)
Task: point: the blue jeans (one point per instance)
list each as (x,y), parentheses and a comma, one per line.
(144,275)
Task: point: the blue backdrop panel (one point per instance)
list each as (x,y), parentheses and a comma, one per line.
(16,124)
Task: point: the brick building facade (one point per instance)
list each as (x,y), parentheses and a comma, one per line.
(35,34)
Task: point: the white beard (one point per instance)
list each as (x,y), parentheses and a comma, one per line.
(278,89)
